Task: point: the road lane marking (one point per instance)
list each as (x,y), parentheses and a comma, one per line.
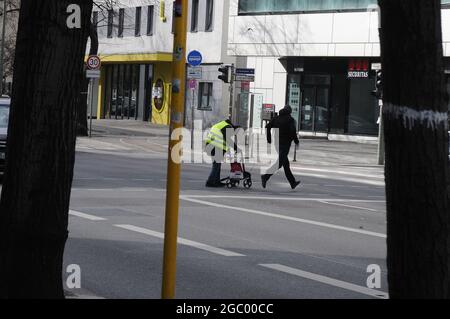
(121,189)
(307,199)
(299,220)
(346,179)
(86,216)
(350,206)
(380,176)
(328,281)
(182,241)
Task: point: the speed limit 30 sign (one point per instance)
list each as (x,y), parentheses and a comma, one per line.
(93,62)
(93,65)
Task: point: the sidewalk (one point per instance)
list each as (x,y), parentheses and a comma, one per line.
(310,152)
(127,128)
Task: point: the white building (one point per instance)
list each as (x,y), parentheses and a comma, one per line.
(208,23)
(136,48)
(303,51)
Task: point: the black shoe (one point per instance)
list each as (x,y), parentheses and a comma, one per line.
(294,186)
(215,185)
(208,184)
(264,180)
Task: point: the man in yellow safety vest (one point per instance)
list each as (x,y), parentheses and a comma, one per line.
(218,142)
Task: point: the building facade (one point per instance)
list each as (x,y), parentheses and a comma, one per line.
(135,46)
(136,49)
(320,57)
(208,98)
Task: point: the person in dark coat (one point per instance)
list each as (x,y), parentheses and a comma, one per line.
(287,133)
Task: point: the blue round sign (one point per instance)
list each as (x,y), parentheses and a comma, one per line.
(194,58)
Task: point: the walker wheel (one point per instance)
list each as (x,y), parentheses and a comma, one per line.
(248,183)
(230,185)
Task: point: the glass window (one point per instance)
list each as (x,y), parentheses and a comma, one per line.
(194,16)
(127,91)
(114,92)
(448,91)
(121,21)
(120,100)
(137,28)
(4,116)
(363,108)
(275,6)
(150,14)
(209,15)
(134,90)
(205,95)
(294,95)
(110,23)
(108,91)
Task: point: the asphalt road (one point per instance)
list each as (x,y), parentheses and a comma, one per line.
(314,242)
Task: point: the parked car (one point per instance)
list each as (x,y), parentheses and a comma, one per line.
(4,117)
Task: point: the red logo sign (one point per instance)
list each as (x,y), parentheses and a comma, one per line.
(358,65)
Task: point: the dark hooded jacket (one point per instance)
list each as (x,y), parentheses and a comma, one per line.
(286,125)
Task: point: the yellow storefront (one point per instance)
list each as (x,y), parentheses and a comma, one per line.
(135,86)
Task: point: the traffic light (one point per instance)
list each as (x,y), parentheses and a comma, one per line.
(378,92)
(226,73)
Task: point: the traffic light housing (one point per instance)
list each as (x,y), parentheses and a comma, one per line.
(226,73)
(378,92)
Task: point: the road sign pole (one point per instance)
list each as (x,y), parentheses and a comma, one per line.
(193,118)
(174,168)
(91,102)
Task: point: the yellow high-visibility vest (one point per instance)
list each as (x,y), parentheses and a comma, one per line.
(216,138)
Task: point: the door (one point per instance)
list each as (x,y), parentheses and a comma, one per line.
(314,109)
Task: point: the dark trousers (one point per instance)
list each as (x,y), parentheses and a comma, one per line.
(283,161)
(214,177)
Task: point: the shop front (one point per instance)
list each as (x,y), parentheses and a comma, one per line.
(333,95)
(127,92)
(135,87)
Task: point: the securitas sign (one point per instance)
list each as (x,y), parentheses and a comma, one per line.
(358,68)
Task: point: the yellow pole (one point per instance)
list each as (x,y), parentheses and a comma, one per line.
(173,168)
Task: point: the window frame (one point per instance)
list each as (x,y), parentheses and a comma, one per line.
(121,22)
(201,88)
(150,19)
(110,31)
(138,22)
(194,15)
(209,18)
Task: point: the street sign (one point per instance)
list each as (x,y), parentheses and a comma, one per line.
(192,84)
(376,66)
(93,62)
(194,58)
(245,75)
(245,71)
(194,73)
(93,74)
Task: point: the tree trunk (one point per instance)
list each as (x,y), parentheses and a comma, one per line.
(416,123)
(82,120)
(41,148)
